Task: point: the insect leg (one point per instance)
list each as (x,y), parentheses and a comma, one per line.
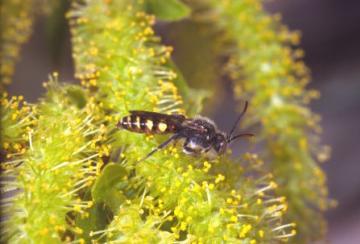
(161,146)
(191,148)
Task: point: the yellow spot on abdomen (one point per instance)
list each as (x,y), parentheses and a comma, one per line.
(149,124)
(137,123)
(162,126)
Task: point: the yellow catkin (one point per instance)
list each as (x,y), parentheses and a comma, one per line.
(280,105)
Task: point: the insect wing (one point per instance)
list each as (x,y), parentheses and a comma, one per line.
(195,126)
(178,117)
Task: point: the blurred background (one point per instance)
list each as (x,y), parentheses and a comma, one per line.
(330,38)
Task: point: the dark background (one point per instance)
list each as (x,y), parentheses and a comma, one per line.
(331,38)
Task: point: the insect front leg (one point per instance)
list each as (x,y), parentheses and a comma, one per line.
(192,147)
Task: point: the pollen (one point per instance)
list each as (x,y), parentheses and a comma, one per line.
(44,231)
(244,230)
(207,166)
(233,219)
(219,178)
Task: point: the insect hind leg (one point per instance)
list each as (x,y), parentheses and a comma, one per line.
(161,146)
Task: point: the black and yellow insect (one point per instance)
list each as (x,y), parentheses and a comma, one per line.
(200,134)
(151,122)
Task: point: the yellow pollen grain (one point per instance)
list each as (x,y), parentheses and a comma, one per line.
(44,231)
(162,126)
(149,124)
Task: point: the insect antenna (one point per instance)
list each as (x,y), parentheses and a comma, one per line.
(230,137)
(240,135)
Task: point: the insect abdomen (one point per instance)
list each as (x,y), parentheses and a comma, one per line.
(144,124)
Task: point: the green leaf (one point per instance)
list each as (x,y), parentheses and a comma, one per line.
(168,10)
(104,189)
(98,219)
(76,95)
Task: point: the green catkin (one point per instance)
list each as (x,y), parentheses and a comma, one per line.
(55,167)
(15,25)
(275,80)
(176,197)
(53,151)
(17,118)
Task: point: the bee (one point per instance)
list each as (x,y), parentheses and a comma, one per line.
(200,135)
